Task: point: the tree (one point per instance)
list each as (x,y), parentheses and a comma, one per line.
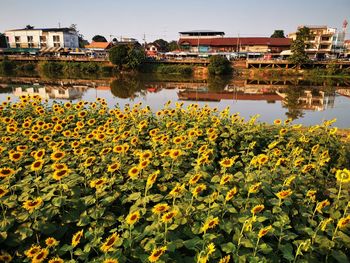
(82,41)
(219,65)
(162,44)
(173,45)
(299,45)
(29,27)
(278,34)
(99,38)
(128,56)
(118,55)
(3,42)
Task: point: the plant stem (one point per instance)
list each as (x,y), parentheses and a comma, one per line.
(256,247)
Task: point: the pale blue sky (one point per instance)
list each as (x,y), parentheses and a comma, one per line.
(164,19)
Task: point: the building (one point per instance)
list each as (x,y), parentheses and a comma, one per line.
(98,49)
(347,48)
(235,44)
(324,42)
(42,38)
(152,49)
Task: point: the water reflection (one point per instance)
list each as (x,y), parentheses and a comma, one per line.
(298,99)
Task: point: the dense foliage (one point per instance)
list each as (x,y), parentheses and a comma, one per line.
(126,56)
(278,34)
(84,183)
(219,65)
(299,45)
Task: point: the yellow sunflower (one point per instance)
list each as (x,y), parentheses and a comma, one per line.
(15,156)
(175,153)
(57,155)
(321,205)
(56,260)
(37,165)
(343,222)
(167,217)
(76,238)
(133,217)
(6,171)
(226,162)
(32,251)
(194,179)
(226,178)
(51,242)
(284,193)
(230,194)
(254,188)
(198,189)
(98,183)
(110,260)
(134,172)
(160,208)
(59,174)
(343,176)
(257,209)
(156,254)
(40,256)
(210,223)
(3,191)
(109,243)
(152,178)
(114,167)
(264,231)
(262,159)
(31,205)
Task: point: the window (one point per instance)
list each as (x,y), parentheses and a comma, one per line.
(56,38)
(17,39)
(62,92)
(324,46)
(36,90)
(325,38)
(30,41)
(56,44)
(42,38)
(18,45)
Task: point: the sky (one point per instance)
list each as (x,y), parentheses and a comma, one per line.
(154,19)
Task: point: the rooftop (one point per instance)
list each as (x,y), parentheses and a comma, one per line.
(233,41)
(204,32)
(55,29)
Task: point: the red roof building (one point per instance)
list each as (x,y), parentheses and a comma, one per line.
(236,44)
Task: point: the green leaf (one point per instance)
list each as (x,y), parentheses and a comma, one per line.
(193,244)
(58,201)
(287,251)
(247,243)
(265,248)
(228,247)
(133,197)
(340,256)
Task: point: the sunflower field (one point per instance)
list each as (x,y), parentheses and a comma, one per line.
(85,183)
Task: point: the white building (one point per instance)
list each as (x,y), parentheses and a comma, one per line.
(42,38)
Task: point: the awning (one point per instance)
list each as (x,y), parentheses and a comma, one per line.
(20,50)
(50,49)
(286,52)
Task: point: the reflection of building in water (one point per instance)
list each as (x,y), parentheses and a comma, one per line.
(51,92)
(229,93)
(311,100)
(344,92)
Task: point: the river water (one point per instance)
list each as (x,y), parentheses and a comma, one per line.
(307,102)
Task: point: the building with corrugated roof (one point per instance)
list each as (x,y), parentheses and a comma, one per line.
(38,38)
(235,44)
